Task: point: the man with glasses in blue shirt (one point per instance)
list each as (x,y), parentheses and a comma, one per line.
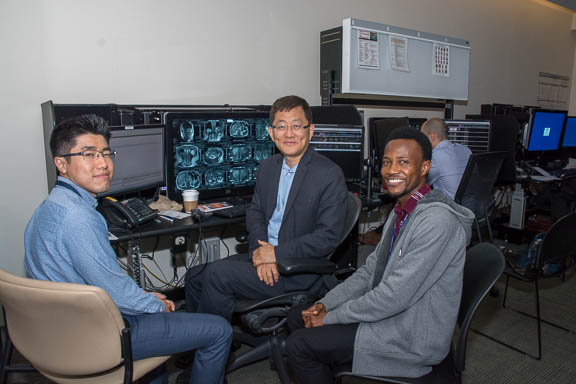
(297,210)
(66,240)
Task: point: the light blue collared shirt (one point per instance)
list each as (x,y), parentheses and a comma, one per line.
(286,178)
(66,240)
(448,164)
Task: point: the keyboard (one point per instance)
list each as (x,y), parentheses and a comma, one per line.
(564,173)
(234,211)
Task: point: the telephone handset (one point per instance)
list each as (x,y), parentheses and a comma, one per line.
(128,213)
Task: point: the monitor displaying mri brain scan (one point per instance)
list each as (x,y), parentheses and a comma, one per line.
(215,152)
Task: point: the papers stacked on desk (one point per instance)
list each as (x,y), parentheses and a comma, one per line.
(214,206)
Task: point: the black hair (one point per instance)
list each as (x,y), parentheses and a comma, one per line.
(412,134)
(63,137)
(288,103)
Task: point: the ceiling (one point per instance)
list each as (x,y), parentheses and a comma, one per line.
(570,4)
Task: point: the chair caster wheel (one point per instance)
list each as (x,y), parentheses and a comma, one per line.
(494,292)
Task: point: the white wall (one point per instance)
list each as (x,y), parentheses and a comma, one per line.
(237,52)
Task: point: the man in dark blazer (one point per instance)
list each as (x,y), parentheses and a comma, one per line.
(297,210)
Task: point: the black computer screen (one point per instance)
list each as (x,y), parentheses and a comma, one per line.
(379,129)
(343,145)
(139,162)
(216,152)
(569,140)
(545,131)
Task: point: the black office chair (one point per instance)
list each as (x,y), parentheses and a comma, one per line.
(265,319)
(558,248)
(476,187)
(484,265)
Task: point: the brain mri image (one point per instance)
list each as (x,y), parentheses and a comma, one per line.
(261,130)
(187,130)
(213,156)
(262,151)
(186,156)
(213,131)
(239,129)
(188,180)
(215,178)
(240,175)
(239,152)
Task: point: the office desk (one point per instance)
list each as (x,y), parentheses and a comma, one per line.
(160,227)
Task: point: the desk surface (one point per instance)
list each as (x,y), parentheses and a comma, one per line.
(159,227)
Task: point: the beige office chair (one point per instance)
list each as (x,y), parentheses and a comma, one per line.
(71,333)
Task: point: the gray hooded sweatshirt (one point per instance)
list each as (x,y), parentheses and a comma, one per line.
(407,319)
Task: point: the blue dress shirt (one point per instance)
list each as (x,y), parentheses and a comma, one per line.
(66,240)
(448,164)
(286,178)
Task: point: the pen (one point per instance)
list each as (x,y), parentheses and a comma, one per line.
(167,218)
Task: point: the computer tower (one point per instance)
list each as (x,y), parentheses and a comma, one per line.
(517,208)
(330,64)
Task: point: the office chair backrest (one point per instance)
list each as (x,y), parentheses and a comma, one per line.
(559,242)
(475,189)
(353,208)
(484,265)
(61,328)
(340,254)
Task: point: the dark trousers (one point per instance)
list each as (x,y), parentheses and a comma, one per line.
(214,287)
(316,353)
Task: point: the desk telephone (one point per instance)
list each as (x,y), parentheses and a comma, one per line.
(126,214)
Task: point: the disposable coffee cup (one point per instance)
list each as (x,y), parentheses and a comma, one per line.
(190,198)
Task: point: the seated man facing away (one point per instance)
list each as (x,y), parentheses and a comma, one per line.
(448,159)
(66,240)
(297,210)
(396,314)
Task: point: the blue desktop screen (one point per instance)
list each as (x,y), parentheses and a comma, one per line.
(546,131)
(570,133)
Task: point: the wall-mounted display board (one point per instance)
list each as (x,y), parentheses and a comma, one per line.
(381,59)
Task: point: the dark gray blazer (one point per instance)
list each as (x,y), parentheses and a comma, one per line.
(313,221)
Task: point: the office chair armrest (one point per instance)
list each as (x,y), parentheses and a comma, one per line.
(242,237)
(297,265)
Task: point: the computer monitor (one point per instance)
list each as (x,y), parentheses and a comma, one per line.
(215,152)
(474,134)
(544,131)
(569,139)
(343,144)
(379,129)
(139,162)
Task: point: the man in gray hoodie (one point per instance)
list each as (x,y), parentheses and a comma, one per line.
(396,314)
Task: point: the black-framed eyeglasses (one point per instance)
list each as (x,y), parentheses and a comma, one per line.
(92,154)
(294,127)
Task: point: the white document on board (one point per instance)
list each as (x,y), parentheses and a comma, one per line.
(398,47)
(368,50)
